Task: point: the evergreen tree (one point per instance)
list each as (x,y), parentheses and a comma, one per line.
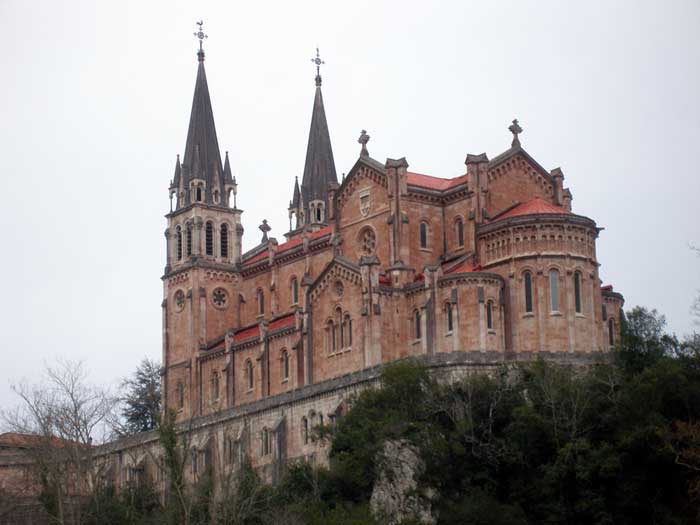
(142,399)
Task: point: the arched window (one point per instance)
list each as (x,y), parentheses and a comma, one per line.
(346,332)
(189,240)
(178,234)
(304,430)
(416,324)
(605,313)
(216,196)
(489,315)
(266,441)
(224,240)
(460,232)
(554,290)
(527,281)
(199,194)
(209,238)
(285,365)
(319,213)
(330,336)
(611,331)
(215,385)
(577,291)
(249,374)
(448,316)
(180,394)
(261,302)
(295,290)
(423,235)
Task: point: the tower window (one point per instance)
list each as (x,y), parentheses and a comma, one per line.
(318,214)
(423,235)
(489,315)
(448,316)
(554,290)
(199,194)
(460,232)
(611,331)
(577,291)
(189,240)
(527,280)
(209,241)
(180,394)
(224,240)
(178,234)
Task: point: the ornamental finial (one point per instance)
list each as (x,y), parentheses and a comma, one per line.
(201,36)
(264,227)
(516,130)
(317,60)
(364,139)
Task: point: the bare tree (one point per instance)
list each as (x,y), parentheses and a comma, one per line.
(63,415)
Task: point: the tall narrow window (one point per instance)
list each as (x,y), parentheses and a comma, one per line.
(199,194)
(346,332)
(318,214)
(460,232)
(416,324)
(215,386)
(349,331)
(554,290)
(577,292)
(224,240)
(295,290)
(261,302)
(209,238)
(423,235)
(489,315)
(330,336)
(180,394)
(334,345)
(611,331)
(178,234)
(189,240)
(448,316)
(249,374)
(527,280)
(304,430)
(285,365)
(605,313)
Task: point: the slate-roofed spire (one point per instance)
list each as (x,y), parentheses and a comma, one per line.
(202,159)
(319,168)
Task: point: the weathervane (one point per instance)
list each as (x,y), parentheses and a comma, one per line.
(201,36)
(318,63)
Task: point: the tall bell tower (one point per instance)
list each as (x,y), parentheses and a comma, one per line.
(204,237)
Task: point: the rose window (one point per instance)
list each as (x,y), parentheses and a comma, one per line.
(368,241)
(339,289)
(219,298)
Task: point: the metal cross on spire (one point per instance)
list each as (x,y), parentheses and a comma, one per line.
(317,60)
(516,130)
(201,36)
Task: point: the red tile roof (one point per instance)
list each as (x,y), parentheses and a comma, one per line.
(282,322)
(291,244)
(247,333)
(464,267)
(433,183)
(14,439)
(534,206)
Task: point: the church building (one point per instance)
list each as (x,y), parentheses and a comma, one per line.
(261,346)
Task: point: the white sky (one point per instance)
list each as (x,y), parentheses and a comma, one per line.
(95,99)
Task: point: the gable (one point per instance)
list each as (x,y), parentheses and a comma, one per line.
(366,175)
(515,178)
(338,269)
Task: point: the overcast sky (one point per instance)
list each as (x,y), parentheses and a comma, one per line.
(95,100)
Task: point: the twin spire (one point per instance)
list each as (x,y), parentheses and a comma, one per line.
(201,177)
